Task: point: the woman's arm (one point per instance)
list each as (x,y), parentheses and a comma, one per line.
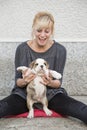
(50,82)
(20,59)
(22,82)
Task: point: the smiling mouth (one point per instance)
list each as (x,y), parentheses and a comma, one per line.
(42,40)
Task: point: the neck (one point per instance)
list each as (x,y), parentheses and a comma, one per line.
(36,47)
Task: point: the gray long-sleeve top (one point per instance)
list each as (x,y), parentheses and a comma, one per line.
(55,56)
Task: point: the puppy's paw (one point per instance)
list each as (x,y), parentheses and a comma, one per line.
(47,111)
(30,114)
(55,74)
(22,68)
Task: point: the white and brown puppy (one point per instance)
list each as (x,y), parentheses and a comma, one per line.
(36,91)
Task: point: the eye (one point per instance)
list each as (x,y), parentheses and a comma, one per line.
(36,64)
(45,64)
(39,30)
(46,31)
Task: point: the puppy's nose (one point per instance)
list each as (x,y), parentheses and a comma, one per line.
(41,66)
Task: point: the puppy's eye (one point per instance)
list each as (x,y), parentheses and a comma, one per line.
(45,64)
(36,64)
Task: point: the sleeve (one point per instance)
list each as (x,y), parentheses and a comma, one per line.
(20,60)
(61,61)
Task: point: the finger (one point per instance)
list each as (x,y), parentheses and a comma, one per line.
(45,79)
(42,82)
(29,78)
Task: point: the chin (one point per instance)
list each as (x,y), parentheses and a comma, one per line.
(42,43)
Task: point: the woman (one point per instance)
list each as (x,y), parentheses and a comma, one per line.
(42,46)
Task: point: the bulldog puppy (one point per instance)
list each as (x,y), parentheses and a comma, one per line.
(36,91)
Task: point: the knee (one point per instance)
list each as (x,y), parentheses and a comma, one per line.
(84,119)
(84,114)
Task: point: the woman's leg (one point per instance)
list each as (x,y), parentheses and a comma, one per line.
(66,105)
(12,105)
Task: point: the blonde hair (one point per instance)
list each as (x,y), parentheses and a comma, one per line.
(43,19)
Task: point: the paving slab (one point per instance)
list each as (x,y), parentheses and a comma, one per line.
(42,124)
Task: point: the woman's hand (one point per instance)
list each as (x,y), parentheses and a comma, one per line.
(50,82)
(22,82)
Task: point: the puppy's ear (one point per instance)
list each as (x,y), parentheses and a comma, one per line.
(32,64)
(47,65)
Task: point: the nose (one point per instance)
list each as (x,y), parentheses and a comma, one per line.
(42,34)
(41,66)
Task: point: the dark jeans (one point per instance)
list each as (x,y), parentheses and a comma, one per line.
(12,105)
(61,103)
(66,105)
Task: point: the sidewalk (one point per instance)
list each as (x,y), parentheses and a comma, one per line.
(44,123)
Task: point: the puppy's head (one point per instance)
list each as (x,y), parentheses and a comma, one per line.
(39,65)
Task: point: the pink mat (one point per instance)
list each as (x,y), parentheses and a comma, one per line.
(37,113)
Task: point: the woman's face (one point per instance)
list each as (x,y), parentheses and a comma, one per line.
(42,36)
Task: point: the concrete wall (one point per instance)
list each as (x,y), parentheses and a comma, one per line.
(70,18)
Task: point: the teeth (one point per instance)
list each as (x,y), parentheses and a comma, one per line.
(42,39)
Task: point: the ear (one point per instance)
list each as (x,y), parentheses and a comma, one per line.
(22,68)
(47,64)
(32,64)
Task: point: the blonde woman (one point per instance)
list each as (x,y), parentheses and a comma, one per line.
(43,46)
